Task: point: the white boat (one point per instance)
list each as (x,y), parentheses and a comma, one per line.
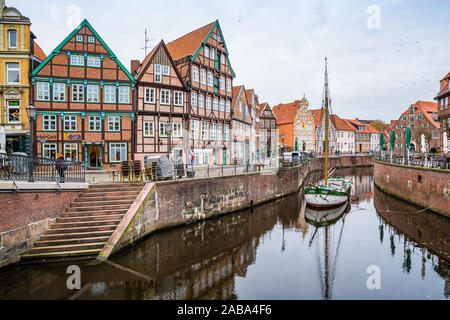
(320,218)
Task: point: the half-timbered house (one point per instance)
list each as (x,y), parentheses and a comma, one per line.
(161,106)
(202,58)
(241,124)
(84,101)
(268,137)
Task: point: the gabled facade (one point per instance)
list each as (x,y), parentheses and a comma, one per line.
(268,138)
(241,126)
(345,135)
(362,135)
(443,99)
(252,100)
(84,101)
(19,56)
(202,59)
(319,134)
(161,104)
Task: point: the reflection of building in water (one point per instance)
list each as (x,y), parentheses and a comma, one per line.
(362,183)
(417,233)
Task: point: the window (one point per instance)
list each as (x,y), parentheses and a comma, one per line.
(117,152)
(222,58)
(77,92)
(71,151)
(110,94)
(91,39)
(165,96)
(79,38)
(212,54)
(13,72)
(194,99)
(204,130)
(49,122)
(225,132)
(219,132)
(93,93)
(124,94)
(95,123)
(13,112)
(229,85)
(208,103)
(222,83)
(177,130)
(166,70)
(59,92)
(194,129)
(178,98)
(215,104)
(203,76)
(12,39)
(228,106)
(149,95)
(77,60)
(149,129)
(210,79)
(114,123)
(206,51)
(49,150)
(42,91)
(195,75)
(201,101)
(213,131)
(157,76)
(70,123)
(93,61)
(163,129)
(222,105)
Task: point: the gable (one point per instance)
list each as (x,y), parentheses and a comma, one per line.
(71,44)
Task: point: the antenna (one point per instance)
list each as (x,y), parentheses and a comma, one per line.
(146,42)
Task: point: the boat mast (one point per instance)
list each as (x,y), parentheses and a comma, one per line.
(326,122)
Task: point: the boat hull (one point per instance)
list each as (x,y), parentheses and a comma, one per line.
(325,201)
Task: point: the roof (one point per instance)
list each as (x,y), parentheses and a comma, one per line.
(372,129)
(190,44)
(317,115)
(38,52)
(265,105)
(70,36)
(340,124)
(426,108)
(249,93)
(286,113)
(236,95)
(445,86)
(446,77)
(356,123)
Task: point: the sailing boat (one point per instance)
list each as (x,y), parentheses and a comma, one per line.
(330,192)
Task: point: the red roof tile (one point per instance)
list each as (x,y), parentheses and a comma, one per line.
(286,113)
(38,52)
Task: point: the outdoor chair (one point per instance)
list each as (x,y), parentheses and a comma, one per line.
(125,172)
(149,172)
(137,170)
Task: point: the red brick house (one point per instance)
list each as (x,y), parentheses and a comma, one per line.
(161,104)
(241,124)
(202,58)
(443,99)
(84,101)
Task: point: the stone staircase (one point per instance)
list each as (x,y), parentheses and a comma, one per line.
(85,227)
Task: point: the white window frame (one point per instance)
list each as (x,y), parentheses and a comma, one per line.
(48,120)
(124,95)
(78,91)
(212,54)
(16,68)
(195,74)
(122,147)
(77,60)
(110,94)
(202,76)
(42,91)
(16,38)
(201,101)
(163,132)
(164,97)
(71,147)
(222,105)
(79,38)
(59,91)
(166,70)
(205,135)
(177,130)
(210,79)
(115,122)
(94,61)
(206,51)
(148,129)
(228,85)
(222,83)
(194,129)
(225,132)
(150,95)
(194,99)
(96,122)
(91,39)
(219,134)
(70,122)
(158,73)
(208,103)
(227,106)
(213,131)
(47,148)
(178,98)
(93,93)
(15,108)
(216,104)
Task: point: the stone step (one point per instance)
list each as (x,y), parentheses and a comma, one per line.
(115,185)
(93,213)
(62,241)
(86,203)
(82,229)
(105,198)
(81,224)
(70,247)
(101,190)
(91,218)
(49,255)
(93,207)
(112,193)
(76,235)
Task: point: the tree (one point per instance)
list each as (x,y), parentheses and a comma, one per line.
(417,136)
(379,125)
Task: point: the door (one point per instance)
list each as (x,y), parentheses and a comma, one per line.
(94,157)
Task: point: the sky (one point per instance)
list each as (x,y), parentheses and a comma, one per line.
(383,56)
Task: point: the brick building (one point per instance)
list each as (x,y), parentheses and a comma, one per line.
(84,101)
(268,138)
(345,135)
(202,59)
(443,98)
(363,136)
(161,106)
(241,126)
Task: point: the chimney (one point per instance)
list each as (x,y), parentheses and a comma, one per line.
(135,64)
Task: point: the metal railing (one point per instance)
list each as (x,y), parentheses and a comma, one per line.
(32,169)
(425,160)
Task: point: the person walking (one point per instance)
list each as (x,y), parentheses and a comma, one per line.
(60,167)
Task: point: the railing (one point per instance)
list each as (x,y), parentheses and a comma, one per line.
(426,160)
(23,168)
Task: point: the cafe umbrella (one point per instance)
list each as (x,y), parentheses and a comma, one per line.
(392,142)
(408,144)
(381,141)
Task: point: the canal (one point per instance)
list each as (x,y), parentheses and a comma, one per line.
(275,251)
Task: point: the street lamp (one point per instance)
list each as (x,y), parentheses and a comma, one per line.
(235,156)
(169,132)
(282,147)
(31,112)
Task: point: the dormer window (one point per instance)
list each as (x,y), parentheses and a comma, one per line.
(12,39)
(411,110)
(79,38)
(91,39)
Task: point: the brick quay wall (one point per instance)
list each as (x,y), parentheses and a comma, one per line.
(424,187)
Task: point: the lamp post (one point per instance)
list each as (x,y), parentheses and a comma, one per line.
(235,157)
(169,132)
(282,148)
(31,112)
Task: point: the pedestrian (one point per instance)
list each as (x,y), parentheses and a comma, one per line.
(60,166)
(433,151)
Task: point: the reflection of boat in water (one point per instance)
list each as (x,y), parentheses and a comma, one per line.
(325,217)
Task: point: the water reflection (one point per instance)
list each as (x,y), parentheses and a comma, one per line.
(281,250)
